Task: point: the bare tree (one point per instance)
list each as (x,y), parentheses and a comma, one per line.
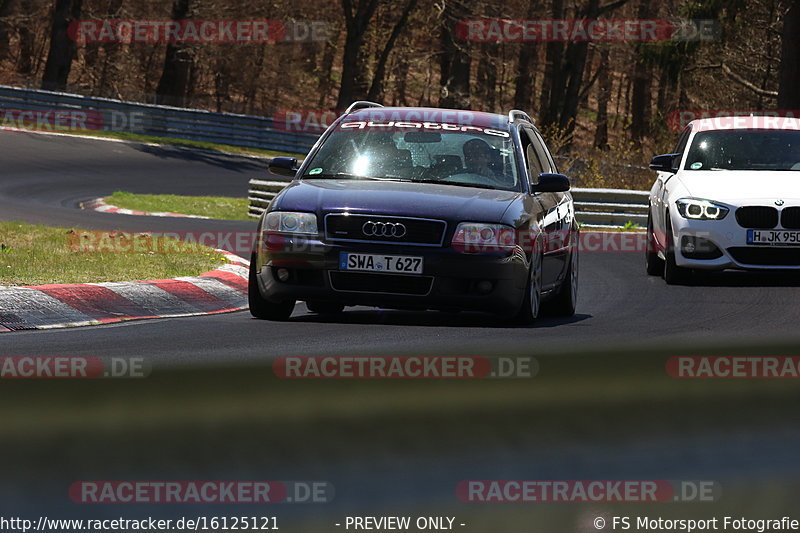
(376,89)
(789,77)
(455,61)
(176,77)
(603,97)
(6,8)
(62,47)
(357,19)
(641,100)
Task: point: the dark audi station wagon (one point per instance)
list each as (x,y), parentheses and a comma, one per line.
(418,208)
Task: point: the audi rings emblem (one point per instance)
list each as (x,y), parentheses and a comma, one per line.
(384,229)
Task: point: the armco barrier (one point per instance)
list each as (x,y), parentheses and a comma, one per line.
(595,207)
(261,193)
(162,121)
(611,207)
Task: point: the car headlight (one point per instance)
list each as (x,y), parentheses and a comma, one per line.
(698,209)
(479,237)
(291,223)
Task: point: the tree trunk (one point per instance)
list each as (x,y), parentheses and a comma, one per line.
(354,85)
(603,96)
(27,42)
(553,81)
(62,48)
(575,67)
(456,62)
(5,10)
(641,98)
(175,83)
(325,71)
(376,89)
(526,67)
(789,76)
(487,76)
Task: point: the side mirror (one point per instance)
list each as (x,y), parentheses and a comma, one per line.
(284,166)
(665,163)
(551,183)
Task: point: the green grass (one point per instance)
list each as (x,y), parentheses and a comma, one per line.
(215,147)
(207,206)
(35,255)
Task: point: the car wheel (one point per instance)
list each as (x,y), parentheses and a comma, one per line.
(325,308)
(673,274)
(564,303)
(653,263)
(260,307)
(531,303)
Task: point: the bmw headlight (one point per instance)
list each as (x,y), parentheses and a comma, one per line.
(479,237)
(289,222)
(698,209)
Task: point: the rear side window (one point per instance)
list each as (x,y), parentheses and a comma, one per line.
(535,160)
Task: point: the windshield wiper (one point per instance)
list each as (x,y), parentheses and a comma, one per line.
(340,175)
(460,184)
(330,176)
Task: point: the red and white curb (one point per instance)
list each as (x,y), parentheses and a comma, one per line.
(84,304)
(99,204)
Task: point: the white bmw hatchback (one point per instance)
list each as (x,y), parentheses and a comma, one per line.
(729,197)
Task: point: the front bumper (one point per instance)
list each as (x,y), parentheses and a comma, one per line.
(450,280)
(731,240)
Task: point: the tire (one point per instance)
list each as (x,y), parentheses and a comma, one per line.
(325,308)
(260,307)
(563,305)
(532,302)
(653,263)
(673,274)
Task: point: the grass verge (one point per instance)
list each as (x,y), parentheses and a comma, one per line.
(208,206)
(35,255)
(171,141)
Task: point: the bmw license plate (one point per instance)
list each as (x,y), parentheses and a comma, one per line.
(395,264)
(773,237)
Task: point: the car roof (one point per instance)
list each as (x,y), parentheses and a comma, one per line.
(431,114)
(752,122)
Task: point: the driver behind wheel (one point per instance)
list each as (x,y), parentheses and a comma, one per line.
(478,159)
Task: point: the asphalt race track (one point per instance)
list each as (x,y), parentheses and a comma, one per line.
(604,410)
(45,177)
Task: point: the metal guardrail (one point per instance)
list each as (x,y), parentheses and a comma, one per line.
(163,121)
(261,193)
(611,207)
(594,207)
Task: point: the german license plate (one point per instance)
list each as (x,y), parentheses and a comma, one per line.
(395,264)
(773,237)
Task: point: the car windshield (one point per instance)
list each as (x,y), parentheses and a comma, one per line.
(745,150)
(477,157)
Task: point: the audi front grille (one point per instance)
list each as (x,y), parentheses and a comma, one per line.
(380,283)
(384,229)
(757,217)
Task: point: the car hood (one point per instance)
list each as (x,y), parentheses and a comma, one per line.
(427,200)
(742,186)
